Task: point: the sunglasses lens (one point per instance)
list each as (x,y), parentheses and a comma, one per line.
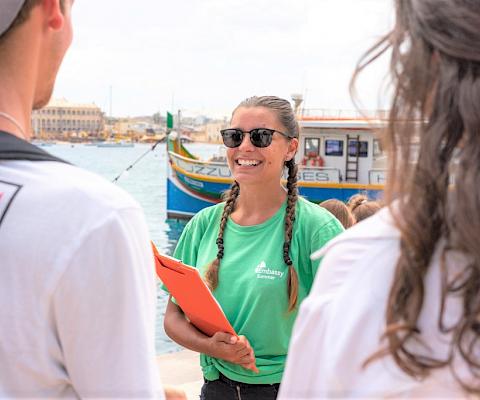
(232,137)
(261,137)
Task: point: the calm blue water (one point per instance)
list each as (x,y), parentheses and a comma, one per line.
(146,182)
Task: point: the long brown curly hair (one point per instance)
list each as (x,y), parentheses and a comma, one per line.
(435,67)
(286,117)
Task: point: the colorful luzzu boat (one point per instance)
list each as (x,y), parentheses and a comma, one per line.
(337,159)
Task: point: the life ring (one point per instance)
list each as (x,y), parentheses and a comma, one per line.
(312,160)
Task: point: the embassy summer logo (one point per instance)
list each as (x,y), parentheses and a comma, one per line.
(263,272)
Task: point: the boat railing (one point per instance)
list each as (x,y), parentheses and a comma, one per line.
(331,114)
(377,176)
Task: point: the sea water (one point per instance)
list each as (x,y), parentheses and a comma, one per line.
(146,182)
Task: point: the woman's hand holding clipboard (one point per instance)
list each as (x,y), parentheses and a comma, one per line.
(192,294)
(202,309)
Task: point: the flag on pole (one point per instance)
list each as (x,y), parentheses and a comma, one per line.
(169,121)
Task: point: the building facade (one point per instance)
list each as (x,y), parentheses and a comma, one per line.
(62,119)
(212,130)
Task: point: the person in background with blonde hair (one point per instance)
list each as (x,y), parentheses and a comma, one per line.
(395,308)
(339,209)
(253,250)
(361,207)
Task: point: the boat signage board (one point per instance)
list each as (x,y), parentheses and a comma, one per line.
(319,174)
(214,170)
(221,170)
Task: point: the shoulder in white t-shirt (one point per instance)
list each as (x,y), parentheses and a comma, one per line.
(341,323)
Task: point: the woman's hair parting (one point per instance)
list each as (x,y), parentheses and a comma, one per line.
(434,131)
(286,117)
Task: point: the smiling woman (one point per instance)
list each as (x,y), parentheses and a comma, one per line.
(253,248)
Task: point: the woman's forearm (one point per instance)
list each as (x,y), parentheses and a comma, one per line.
(181,331)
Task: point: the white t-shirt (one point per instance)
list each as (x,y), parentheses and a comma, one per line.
(77,287)
(341,322)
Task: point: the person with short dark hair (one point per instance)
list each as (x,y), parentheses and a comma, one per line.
(395,308)
(77,281)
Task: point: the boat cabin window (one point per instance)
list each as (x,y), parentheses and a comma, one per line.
(312,146)
(352,148)
(334,148)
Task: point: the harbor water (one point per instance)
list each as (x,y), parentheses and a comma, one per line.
(146,182)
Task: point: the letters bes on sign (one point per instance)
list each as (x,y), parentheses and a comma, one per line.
(314,175)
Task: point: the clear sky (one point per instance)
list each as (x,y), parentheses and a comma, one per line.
(205,56)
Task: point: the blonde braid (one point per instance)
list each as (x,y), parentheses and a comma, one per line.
(211,275)
(292,285)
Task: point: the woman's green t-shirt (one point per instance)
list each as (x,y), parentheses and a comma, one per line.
(252,289)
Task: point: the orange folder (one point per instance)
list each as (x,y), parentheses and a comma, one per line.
(192,294)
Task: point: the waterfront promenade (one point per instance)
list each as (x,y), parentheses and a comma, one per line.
(182,370)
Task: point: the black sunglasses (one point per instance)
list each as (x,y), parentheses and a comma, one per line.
(260,137)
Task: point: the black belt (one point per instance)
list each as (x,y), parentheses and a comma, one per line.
(233,383)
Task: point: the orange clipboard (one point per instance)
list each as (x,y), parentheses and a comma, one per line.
(192,294)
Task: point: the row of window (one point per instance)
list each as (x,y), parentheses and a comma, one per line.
(334,148)
(67,111)
(74,129)
(48,122)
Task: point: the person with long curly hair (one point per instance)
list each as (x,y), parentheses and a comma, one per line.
(254,251)
(395,308)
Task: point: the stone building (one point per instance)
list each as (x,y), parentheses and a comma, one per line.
(62,119)
(212,130)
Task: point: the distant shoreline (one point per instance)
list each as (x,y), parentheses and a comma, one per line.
(63,141)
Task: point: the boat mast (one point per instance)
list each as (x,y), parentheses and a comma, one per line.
(297,100)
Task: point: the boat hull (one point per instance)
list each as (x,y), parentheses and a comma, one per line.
(182,203)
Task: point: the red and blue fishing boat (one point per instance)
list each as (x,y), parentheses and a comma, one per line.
(337,158)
